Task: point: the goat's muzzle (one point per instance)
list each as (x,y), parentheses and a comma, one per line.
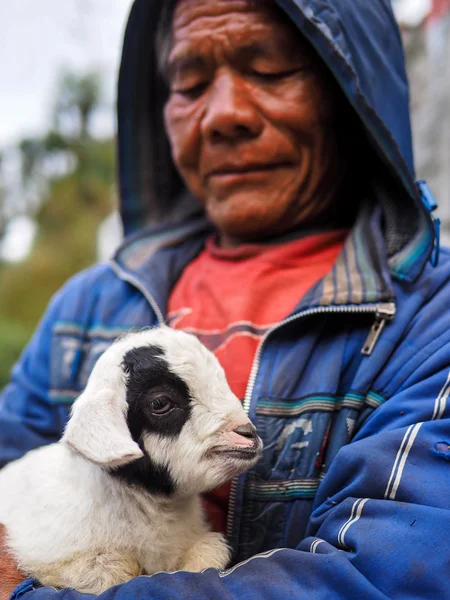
(241,442)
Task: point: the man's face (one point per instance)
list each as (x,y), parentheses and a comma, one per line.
(249,118)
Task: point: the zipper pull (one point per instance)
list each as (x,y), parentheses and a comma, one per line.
(385,312)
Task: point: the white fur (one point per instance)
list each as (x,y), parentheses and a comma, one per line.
(71,523)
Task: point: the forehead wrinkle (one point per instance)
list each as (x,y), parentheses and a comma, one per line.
(186,56)
(187,11)
(206,37)
(206,18)
(215,29)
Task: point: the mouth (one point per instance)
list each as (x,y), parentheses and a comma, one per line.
(229,173)
(251,453)
(239,454)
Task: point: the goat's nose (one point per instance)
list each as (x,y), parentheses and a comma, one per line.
(248,430)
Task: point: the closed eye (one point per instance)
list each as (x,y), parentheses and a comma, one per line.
(275,76)
(190,92)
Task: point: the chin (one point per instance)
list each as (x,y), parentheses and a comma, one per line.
(239,218)
(250,229)
(226,462)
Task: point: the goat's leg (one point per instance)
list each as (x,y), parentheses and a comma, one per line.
(210,550)
(90,573)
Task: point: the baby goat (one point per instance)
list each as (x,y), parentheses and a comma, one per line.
(118,496)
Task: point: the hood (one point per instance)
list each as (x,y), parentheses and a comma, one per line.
(359,41)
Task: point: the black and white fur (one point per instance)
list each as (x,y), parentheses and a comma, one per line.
(118,496)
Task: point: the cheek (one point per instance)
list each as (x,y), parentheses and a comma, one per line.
(302,110)
(186,457)
(183,130)
(206,423)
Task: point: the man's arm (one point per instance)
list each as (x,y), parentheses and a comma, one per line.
(27,418)
(27,421)
(381,524)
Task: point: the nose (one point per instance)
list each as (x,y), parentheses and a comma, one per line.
(248,430)
(231,114)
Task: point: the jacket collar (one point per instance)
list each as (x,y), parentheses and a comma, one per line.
(362,273)
(153,260)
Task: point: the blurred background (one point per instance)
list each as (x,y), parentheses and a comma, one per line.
(58,62)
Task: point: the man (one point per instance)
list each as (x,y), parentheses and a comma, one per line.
(310,280)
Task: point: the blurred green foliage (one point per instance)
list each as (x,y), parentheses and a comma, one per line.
(73,206)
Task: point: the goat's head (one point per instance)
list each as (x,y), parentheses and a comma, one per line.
(157,411)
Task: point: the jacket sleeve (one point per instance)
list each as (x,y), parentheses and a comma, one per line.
(27,418)
(380,527)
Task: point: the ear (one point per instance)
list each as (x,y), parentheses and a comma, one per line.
(98,429)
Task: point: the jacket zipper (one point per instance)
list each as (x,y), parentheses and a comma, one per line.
(136,283)
(383,312)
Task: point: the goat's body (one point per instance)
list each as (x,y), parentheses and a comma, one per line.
(71,524)
(119,495)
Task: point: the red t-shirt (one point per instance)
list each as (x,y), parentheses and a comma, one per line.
(230,298)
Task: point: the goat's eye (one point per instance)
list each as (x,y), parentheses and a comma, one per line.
(161,405)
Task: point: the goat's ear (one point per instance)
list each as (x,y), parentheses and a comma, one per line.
(98,429)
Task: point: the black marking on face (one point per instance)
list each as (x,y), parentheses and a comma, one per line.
(158,402)
(150,382)
(144,473)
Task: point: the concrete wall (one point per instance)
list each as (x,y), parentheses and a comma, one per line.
(427,48)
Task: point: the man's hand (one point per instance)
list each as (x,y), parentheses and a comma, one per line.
(10,576)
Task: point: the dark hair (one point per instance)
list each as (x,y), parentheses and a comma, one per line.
(163,36)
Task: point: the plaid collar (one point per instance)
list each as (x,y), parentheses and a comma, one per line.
(361,274)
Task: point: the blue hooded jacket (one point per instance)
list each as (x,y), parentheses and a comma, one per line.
(350,392)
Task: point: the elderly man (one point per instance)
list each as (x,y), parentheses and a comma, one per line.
(288,233)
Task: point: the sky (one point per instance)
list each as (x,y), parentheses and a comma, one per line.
(40,37)
(37,40)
